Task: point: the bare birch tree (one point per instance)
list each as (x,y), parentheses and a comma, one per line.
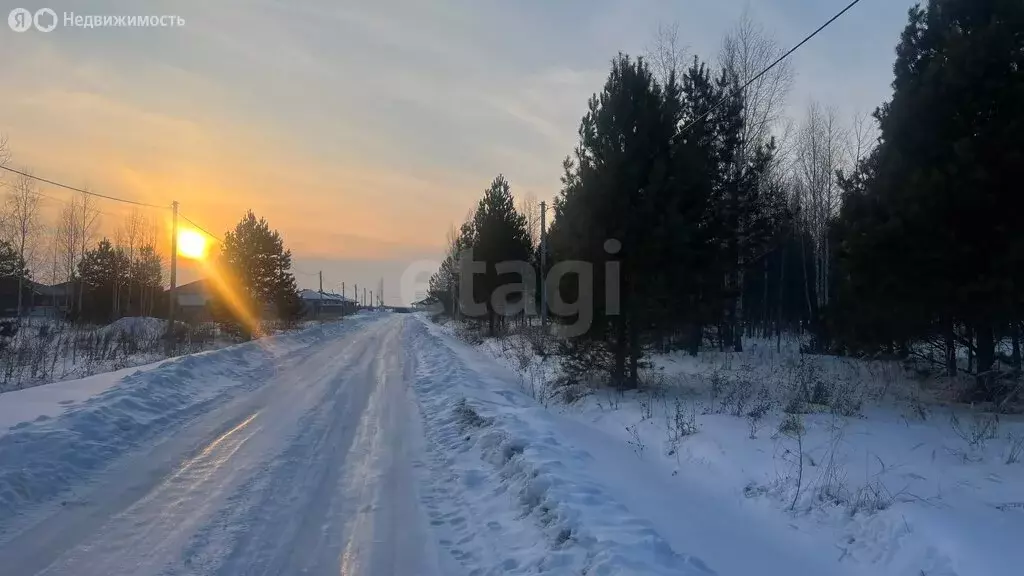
(820,149)
(862,139)
(132,232)
(150,239)
(66,239)
(87,220)
(667,56)
(747,50)
(22,226)
(5,153)
(529,207)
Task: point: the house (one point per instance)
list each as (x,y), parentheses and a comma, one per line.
(193,301)
(9,296)
(429,303)
(325,305)
(52,301)
(36,299)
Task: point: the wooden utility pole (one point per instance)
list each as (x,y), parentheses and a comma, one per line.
(364,296)
(172,300)
(342,299)
(320,303)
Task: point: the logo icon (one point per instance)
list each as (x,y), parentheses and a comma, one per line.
(20,19)
(45,24)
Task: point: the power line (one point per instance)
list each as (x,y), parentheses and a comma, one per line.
(72,188)
(770,66)
(66,203)
(198,227)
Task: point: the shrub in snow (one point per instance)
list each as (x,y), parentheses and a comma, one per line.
(468,418)
(635,441)
(468,334)
(762,405)
(792,425)
(1015,449)
(977,432)
(681,423)
(809,391)
(738,393)
(581,369)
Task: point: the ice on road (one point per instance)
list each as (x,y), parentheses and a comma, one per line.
(308,469)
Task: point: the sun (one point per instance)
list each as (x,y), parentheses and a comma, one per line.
(192,244)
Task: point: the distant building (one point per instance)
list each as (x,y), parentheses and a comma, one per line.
(193,301)
(428,303)
(325,305)
(52,301)
(36,299)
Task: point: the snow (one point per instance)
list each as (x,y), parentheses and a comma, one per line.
(41,403)
(383,445)
(141,327)
(893,490)
(60,432)
(500,447)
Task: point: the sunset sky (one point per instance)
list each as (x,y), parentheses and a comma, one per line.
(363,130)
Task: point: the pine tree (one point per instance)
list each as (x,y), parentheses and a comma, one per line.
(933,230)
(99,273)
(612,194)
(12,265)
(255,257)
(500,236)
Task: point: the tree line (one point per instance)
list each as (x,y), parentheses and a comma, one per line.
(104,277)
(729,220)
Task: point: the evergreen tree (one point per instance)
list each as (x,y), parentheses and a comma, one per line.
(499,236)
(932,222)
(99,274)
(258,264)
(12,265)
(612,194)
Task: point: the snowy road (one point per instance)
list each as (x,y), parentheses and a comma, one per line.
(378,446)
(311,471)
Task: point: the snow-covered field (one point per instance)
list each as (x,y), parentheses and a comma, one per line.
(383,445)
(885,480)
(45,350)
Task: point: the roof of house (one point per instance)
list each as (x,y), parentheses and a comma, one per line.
(195,287)
(48,290)
(307,294)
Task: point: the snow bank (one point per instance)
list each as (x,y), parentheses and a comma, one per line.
(41,403)
(45,456)
(138,327)
(490,434)
(895,489)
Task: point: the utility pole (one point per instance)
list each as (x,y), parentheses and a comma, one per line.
(371,300)
(355,296)
(174,278)
(543,268)
(320,303)
(364,296)
(342,299)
